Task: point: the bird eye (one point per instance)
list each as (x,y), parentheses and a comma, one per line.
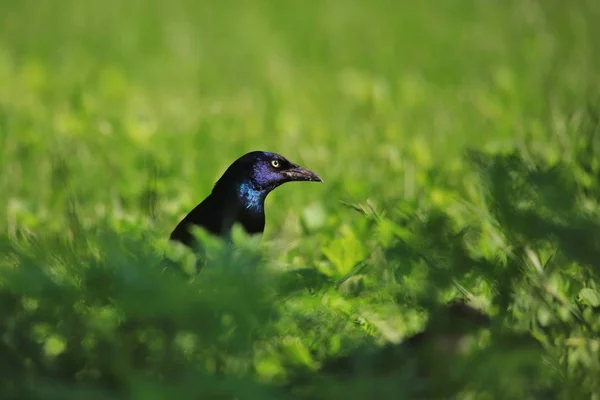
(275,163)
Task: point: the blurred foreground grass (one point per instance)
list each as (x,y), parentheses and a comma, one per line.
(117,117)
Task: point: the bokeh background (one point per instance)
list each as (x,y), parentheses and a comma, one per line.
(458,142)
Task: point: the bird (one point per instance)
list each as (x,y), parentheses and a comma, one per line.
(239,196)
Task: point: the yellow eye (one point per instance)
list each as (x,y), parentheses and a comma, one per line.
(275,163)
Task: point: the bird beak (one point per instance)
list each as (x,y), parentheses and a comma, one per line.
(297,173)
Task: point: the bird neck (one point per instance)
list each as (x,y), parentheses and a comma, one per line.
(251,198)
(243,203)
(251,210)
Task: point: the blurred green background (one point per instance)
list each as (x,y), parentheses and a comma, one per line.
(117,117)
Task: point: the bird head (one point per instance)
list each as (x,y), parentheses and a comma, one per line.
(263,171)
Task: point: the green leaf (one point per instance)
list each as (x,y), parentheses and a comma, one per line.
(590,297)
(297,351)
(54,345)
(345,251)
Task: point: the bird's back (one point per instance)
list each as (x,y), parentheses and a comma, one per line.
(209,215)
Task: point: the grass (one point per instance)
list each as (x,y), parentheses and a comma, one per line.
(459,147)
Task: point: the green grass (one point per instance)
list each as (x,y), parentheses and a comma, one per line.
(466,133)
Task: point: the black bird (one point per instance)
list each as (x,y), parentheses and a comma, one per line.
(239,196)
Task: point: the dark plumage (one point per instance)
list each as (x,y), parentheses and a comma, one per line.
(239,195)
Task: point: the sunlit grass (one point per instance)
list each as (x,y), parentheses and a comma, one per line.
(116,118)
